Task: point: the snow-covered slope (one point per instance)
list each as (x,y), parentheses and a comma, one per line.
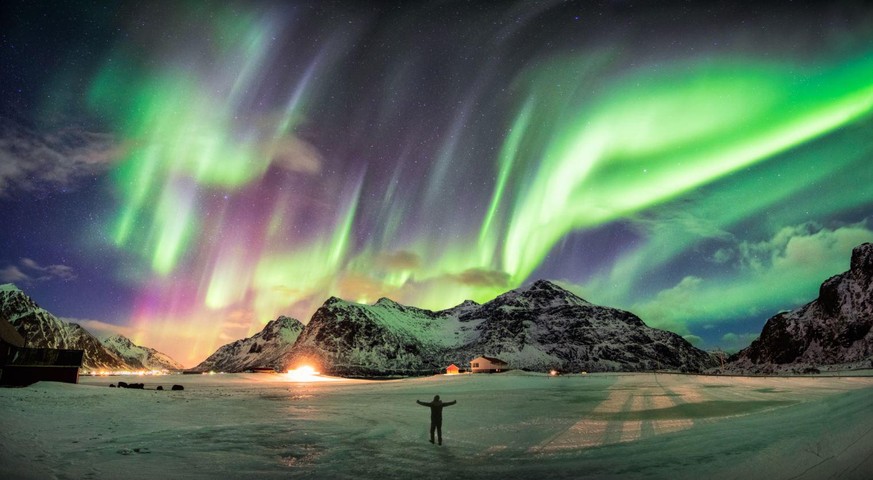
(545,326)
(147,358)
(538,328)
(386,337)
(833,329)
(41,329)
(268,348)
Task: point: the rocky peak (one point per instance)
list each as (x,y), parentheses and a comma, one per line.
(862,259)
(14,302)
(285,322)
(540,294)
(118,339)
(465,306)
(386,302)
(333,301)
(836,328)
(267,348)
(542,284)
(9,287)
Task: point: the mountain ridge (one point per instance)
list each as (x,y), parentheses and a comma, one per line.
(834,329)
(265,349)
(538,327)
(42,329)
(133,354)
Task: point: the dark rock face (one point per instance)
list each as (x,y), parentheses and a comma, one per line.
(833,329)
(537,328)
(266,349)
(177,387)
(547,327)
(385,338)
(862,260)
(41,329)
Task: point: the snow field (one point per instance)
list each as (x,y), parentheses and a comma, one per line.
(511,425)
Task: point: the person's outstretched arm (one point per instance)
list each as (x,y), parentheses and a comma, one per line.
(421,403)
(450,403)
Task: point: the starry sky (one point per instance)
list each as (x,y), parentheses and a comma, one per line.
(184,172)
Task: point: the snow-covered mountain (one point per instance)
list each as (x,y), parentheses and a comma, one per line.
(139,357)
(41,329)
(539,328)
(833,329)
(268,348)
(386,337)
(545,326)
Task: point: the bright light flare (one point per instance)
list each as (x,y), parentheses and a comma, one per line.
(304,373)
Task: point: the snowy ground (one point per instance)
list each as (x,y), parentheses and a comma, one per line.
(504,426)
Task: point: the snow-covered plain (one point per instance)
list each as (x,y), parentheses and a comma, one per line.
(510,425)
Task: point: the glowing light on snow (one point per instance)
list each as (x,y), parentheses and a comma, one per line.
(304,373)
(112,373)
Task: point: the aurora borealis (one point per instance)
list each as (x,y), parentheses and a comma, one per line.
(184,172)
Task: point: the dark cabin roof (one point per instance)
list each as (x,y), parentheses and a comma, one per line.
(8,333)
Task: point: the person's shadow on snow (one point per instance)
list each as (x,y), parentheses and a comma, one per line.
(436,416)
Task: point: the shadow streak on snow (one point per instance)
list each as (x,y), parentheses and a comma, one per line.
(705,409)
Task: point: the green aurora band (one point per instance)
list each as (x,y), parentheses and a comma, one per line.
(574,159)
(655,137)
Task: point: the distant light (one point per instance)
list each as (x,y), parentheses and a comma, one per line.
(553,373)
(303,373)
(107,373)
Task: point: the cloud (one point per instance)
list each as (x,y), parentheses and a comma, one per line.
(296,155)
(32,161)
(49,272)
(671,306)
(12,274)
(734,342)
(362,288)
(31,271)
(722,256)
(807,244)
(100,328)
(481,277)
(764,277)
(693,339)
(399,260)
(669,221)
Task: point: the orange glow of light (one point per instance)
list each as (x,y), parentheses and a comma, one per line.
(304,373)
(107,373)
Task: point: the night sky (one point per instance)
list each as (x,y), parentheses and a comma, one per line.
(184,172)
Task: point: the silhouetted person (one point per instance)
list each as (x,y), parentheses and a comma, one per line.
(436,416)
